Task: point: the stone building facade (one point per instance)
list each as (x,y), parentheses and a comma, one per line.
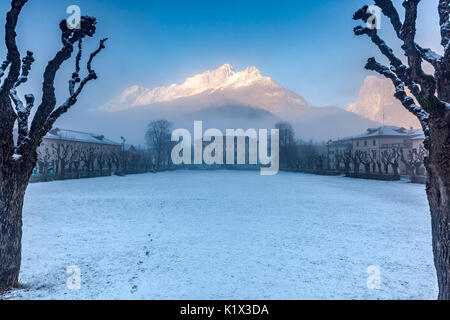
(69,154)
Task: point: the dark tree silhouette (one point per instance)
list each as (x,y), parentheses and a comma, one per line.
(102,155)
(44,162)
(338,158)
(377,164)
(347,159)
(88,156)
(373,160)
(158,139)
(432,93)
(364,159)
(386,158)
(287,145)
(75,160)
(18,156)
(413,162)
(356,163)
(62,155)
(112,159)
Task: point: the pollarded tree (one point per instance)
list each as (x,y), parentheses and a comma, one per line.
(44,162)
(386,158)
(432,93)
(364,159)
(102,155)
(347,159)
(337,161)
(374,160)
(414,161)
(88,157)
(75,160)
(18,156)
(61,152)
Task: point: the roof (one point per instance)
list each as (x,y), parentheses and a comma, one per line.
(78,136)
(418,137)
(389,131)
(343,141)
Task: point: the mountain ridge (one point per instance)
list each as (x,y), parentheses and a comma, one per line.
(222,80)
(225,98)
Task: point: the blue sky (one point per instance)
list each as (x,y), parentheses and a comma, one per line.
(307,46)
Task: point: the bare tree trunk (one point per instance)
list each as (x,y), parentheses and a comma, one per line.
(18,158)
(432,93)
(438,191)
(13,188)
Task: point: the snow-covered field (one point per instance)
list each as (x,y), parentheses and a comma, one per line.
(226,235)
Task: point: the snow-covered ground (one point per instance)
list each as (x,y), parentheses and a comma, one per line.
(226,235)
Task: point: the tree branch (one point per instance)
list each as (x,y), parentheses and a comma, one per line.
(444,22)
(421,85)
(388,9)
(13,55)
(75,76)
(400,92)
(398,67)
(26,67)
(430,56)
(23,112)
(69,38)
(75,93)
(407,34)
(3,67)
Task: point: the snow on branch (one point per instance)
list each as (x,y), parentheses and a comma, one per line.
(430,56)
(27,61)
(383,47)
(3,67)
(23,112)
(388,9)
(444,22)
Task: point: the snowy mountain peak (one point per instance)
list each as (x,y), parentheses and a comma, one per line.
(227,69)
(224,77)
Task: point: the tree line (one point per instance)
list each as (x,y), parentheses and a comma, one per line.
(61,161)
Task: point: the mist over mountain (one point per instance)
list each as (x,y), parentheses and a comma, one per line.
(376,102)
(224,98)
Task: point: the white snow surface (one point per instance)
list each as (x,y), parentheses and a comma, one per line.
(226,235)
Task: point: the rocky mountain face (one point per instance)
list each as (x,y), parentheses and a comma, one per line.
(225,98)
(377,102)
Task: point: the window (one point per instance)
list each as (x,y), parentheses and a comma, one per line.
(374,142)
(365,143)
(357,143)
